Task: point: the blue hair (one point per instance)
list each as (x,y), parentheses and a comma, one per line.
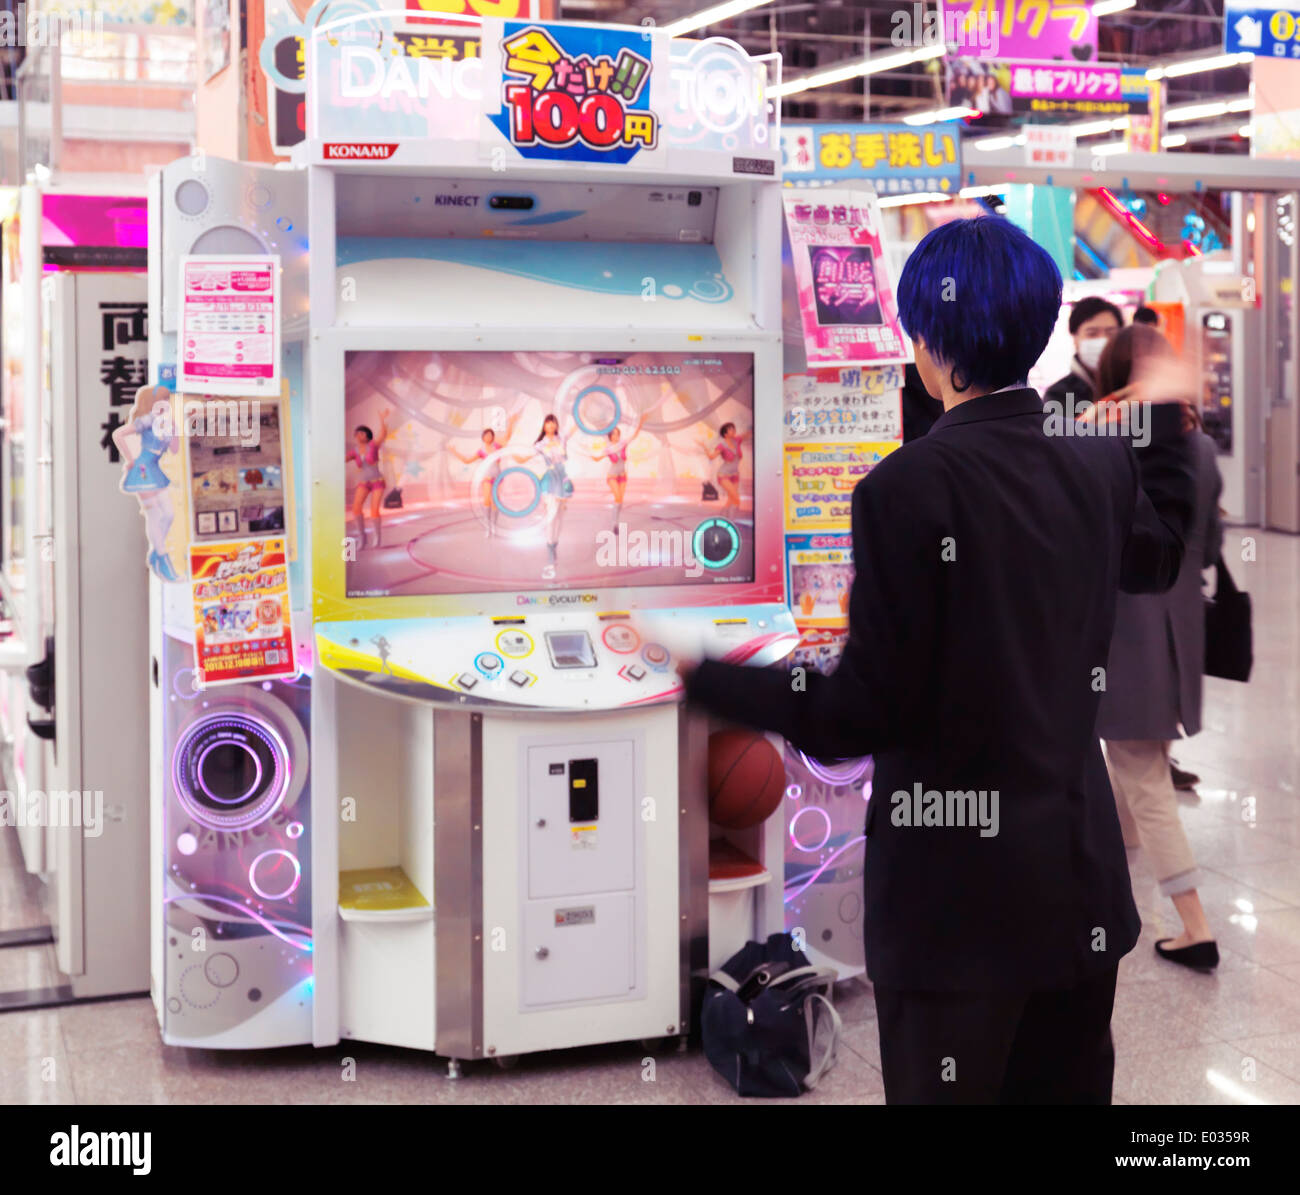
(984,298)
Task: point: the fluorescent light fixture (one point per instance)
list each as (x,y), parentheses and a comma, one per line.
(712,16)
(916,197)
(1245,104)
(1090,128)
(855,70)
(937,114)
(1194,66)
(1195,112)
(1105,8)
(1173,140)
(1246,130)
(980,192)
(987,143)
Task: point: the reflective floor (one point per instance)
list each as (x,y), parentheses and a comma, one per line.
(1181,1038)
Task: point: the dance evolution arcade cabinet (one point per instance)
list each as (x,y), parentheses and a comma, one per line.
(545,407)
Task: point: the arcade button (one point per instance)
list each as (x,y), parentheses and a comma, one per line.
(521,679)
(633,672)
(515,644)
(489,663)
(467,680)
(620,638)
(656,656)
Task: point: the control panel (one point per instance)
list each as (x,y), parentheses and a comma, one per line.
(550,660)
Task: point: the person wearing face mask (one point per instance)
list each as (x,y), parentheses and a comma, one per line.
(1093,322)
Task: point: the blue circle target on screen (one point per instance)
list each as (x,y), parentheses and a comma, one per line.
(716,543)
(614,418)
(496,492)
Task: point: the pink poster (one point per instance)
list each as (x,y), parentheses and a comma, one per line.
(846,297)
(230,327)
(1044,29)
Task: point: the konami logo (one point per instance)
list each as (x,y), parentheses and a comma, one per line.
(359,150)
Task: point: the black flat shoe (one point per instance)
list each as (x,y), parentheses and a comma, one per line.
(1183,781)
(1200,956)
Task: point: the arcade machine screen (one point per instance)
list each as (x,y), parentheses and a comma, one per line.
(480,472)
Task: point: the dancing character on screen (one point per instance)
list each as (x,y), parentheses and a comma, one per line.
(371,484)
(490,452)
(556,487)
(150,422)
(730,447)
(616,453)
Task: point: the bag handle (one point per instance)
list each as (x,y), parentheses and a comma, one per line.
(819,975)
(1223,582)
(831,1055)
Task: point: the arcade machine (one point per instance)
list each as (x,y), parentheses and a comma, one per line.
(73,695)
(1221,321)
(543,390)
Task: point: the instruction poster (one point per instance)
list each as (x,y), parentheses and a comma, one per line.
(819,482)
(846,295)
(238,470)
(242,626)
(230,326)
(851,403)
(818,576)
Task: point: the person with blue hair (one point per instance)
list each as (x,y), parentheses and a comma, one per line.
(990,554)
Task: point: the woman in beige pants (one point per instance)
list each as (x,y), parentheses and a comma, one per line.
(1153,682)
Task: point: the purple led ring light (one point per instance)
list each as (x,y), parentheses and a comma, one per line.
(258,812)
(290,890)
(845,772)
(207,792)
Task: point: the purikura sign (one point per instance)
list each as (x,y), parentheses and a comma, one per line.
(542,92)
(846,296)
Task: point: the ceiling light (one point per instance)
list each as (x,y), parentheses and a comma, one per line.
(1196,112)
(937,114)
(916,197)
(855,70)
(712,16)
(1090,128)
(1105,8)
(1194,66)
(1172,140)
(998,142)
(981,192)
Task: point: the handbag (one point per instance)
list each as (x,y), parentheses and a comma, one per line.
(763,1012)
(393,499)
(1228,640)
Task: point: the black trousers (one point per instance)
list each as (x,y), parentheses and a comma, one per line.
(998,1047)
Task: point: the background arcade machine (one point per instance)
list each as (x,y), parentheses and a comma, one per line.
(1223,333)
(74,694)
(230,767)
(521,864)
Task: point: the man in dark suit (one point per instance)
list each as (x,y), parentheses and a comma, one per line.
(989,556)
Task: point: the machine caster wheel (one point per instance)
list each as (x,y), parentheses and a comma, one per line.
(453,1068)
(506,1062)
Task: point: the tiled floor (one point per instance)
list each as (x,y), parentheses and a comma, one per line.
(1181,1038)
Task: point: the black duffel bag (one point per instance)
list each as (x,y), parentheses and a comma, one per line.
(762,1015)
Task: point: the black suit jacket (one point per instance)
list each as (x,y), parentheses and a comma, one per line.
(989,554)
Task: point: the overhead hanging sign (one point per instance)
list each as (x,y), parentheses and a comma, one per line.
(1014,87)
(1044,29)
(1264,29)
(895,158)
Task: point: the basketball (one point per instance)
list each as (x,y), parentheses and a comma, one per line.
(746,779)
